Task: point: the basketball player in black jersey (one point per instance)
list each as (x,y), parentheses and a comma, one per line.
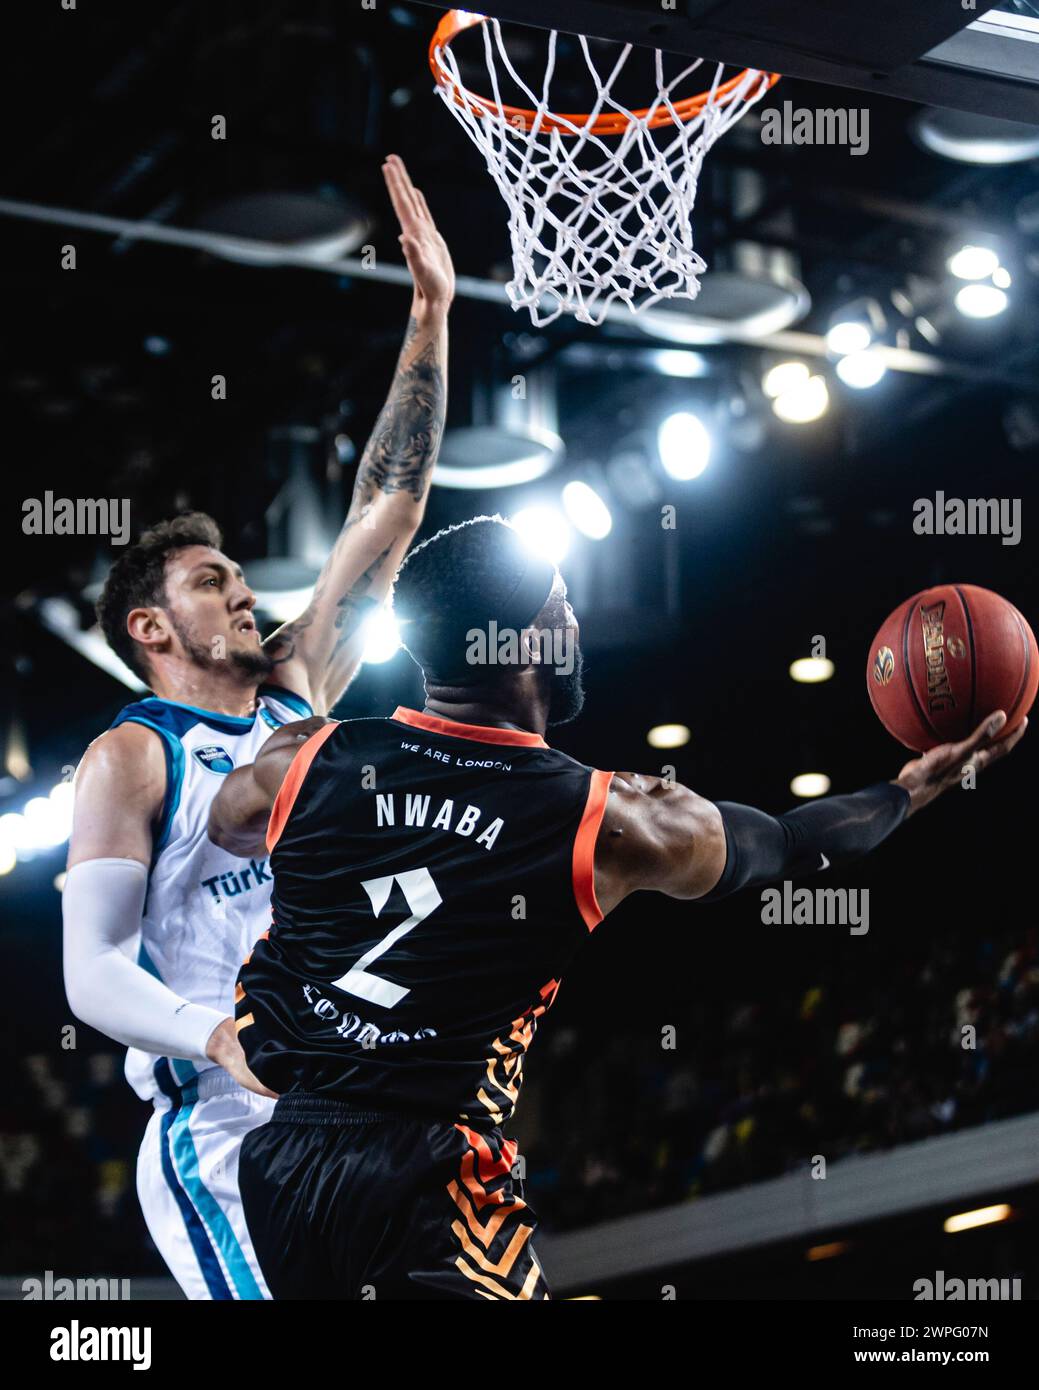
(434,873)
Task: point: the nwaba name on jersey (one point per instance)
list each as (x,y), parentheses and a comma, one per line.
(416,813)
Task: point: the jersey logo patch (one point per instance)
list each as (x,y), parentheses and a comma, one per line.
(214,758)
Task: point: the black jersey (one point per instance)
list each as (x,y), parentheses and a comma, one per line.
(431,881)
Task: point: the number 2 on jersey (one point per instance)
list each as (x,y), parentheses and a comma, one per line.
(420,893)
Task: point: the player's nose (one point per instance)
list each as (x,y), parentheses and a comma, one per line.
(243,598)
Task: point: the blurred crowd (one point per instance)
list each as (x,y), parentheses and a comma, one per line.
(946,1038)
(70,1128)
(748,1091)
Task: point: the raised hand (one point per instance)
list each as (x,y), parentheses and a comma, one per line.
(935,772)
(424,248)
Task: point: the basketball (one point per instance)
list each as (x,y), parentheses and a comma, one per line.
(945,659)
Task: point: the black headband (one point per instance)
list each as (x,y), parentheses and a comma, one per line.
(529,595)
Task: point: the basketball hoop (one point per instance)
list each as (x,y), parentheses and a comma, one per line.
(599,209)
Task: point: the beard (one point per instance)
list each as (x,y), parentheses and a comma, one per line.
(254,664)
(566,699)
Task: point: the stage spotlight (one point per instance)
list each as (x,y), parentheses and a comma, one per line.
(61,798)
(14,751)
(259,228)
(46,825)
(804,403)
(848,336)
(810,784)
(854,326)
(974,139)
(981,301)
(810,670)
(861,369)
(11,826)
(674,362)
(784,376)
(8,858)
(973,263)
(493,456)
(668,736)
(684,445)
(544,530)
(587,510)
(1001,278)
(17,834)
(381,638)
(981,1216)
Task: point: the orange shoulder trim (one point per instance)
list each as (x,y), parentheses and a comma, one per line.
(294,778)
(477,733)
(584,849)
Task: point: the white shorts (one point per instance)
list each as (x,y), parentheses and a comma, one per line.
(187,1181)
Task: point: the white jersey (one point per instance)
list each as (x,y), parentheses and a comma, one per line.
(205,908)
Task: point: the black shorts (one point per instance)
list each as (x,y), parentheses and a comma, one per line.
(350,1204)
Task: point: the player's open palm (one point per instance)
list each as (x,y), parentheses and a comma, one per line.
(926,777)
(425,250)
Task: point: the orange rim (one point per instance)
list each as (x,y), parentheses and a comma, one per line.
(455,22)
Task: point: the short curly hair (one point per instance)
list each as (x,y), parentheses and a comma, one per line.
(138,579)
(455,581)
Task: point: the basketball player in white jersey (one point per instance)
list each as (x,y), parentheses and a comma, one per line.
(157,918)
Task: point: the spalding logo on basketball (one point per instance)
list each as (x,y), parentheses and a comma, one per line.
(945,659)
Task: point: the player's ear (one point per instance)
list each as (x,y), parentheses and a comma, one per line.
(530,643)
(148,626)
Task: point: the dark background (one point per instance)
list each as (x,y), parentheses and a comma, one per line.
(809,532)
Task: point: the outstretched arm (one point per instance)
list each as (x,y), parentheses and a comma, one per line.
(664,837)
(317,654)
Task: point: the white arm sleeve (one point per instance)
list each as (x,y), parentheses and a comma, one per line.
(101,905)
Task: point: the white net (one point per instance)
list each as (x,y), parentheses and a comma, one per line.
(594,217)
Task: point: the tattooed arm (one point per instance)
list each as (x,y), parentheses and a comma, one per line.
(317,654)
